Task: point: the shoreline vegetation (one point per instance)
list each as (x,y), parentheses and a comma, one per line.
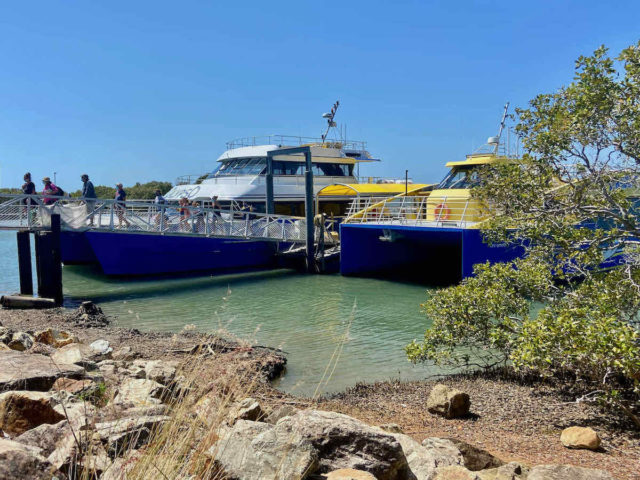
(100,401)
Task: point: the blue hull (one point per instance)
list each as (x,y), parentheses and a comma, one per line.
(75,249)
(142,254)
(441,255)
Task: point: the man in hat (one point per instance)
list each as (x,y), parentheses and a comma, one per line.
(28,188)
(89,195)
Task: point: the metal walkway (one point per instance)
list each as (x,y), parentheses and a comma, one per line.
(32,213)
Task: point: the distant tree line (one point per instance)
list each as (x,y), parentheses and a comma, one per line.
(139,191)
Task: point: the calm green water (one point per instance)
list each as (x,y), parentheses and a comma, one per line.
(356,328)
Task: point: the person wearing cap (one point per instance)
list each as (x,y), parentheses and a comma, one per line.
(49,189)
(120,198)
(28,188)
(89,195)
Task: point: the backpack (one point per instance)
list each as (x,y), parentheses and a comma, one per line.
(59,193)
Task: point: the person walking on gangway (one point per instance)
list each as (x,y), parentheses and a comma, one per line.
(120,206)
(28,188)
(89,195)
(49,191)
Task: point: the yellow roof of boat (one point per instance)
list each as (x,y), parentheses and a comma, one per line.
(481,159)
(353,189)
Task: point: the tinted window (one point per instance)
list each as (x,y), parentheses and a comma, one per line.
(460,177)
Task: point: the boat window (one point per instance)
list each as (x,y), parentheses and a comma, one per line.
(240,166)
(460,177)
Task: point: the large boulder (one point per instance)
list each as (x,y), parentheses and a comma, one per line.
(255,450)
(140,392)
(22,461)
(344,442)
(22,410)
(580,437)
(566,472)
(281,412)
(19,371)
(448,402)
(161,371)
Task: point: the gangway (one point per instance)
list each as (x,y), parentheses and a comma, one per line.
(32,213)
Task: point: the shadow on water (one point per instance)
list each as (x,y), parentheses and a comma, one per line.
(154,286)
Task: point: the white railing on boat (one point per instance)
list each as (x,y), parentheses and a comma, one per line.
(31,212)
(418,210)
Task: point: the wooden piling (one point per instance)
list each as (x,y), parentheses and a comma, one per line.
(24,263)
(49,262)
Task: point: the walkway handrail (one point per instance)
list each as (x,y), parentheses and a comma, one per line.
(33,212)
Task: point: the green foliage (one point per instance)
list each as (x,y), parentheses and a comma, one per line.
(139,191)
(571,199)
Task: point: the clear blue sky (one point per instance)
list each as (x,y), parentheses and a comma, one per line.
(148,90)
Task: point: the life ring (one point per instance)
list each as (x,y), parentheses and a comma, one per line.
(442,212)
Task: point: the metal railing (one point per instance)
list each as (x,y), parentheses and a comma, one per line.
(33,212)
(421,210)
(294,141)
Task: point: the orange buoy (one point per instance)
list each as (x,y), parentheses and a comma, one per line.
(442,212)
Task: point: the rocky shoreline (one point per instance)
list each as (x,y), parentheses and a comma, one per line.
(83,398)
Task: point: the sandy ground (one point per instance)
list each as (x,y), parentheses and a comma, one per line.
(512,420)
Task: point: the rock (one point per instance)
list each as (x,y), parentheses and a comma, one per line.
(21,411)
(566,472)
(140,392)
(349,474)
(127,433)
(66,452)
(161,371)
(391,428)
(101,348)
(247,409)
(509,471)
(344,442)
(22,461)
(19,371)
(425,459)
(580,437)
(125,353)
(475,458)
(74,353)
(455,472)
(255,451)
(448,402)
(5,335)
(55,338)
(281,412)
(20,341)
(120,467)
(4,348)
(89,315)
(45,436)
(72,386)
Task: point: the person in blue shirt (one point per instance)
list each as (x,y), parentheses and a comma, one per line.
(89,195)
(120,198)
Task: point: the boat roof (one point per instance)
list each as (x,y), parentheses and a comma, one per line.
(480,159)
(353,189)
(320,153)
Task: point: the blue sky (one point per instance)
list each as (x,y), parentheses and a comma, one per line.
(139,91)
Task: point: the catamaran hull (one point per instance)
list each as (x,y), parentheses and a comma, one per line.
(75,249)
(133,254)
(436,255)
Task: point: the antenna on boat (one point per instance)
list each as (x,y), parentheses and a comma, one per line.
(329,116)
(495,141)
